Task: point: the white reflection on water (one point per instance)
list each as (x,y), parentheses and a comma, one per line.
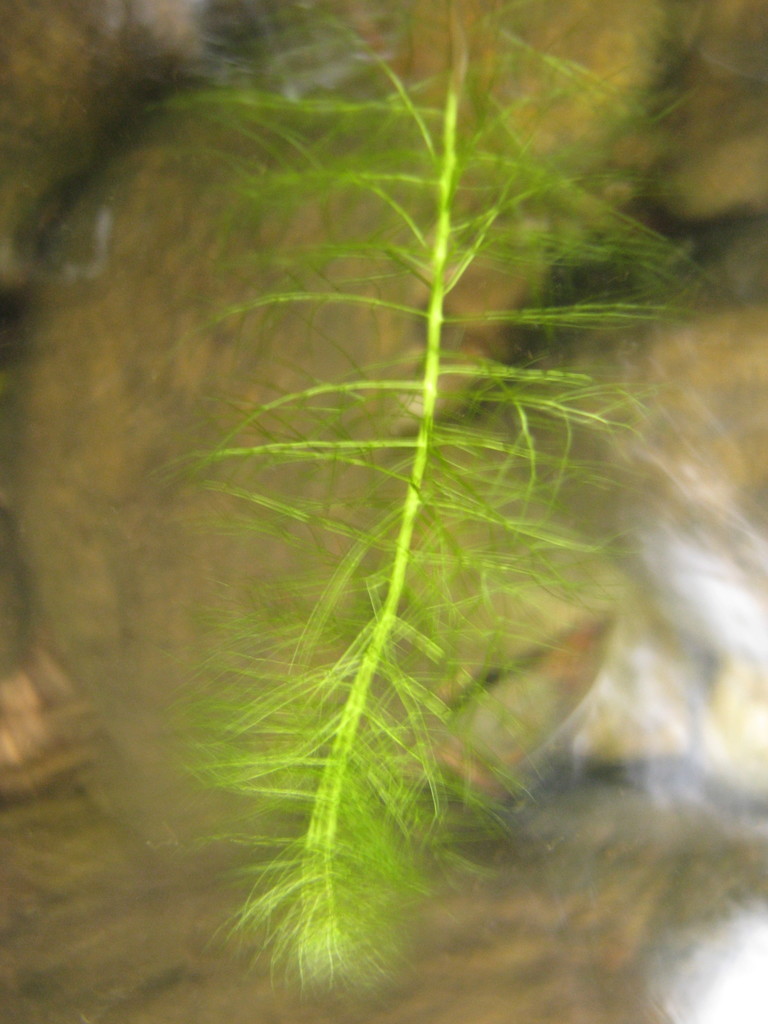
(714,594)
(725,980)
(684,682)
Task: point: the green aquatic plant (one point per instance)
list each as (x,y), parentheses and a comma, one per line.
(417,491)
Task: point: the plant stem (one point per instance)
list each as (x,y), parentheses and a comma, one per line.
(322,830)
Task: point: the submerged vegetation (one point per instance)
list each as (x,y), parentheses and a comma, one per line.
(418,487)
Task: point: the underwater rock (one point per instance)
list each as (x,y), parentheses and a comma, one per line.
(46,729)
(128,367)
(129,374)
(128,364)
(77,77)
(716,151)
(686,672)
(77,81)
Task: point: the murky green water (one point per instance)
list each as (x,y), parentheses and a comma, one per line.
(588,913)
(603,905)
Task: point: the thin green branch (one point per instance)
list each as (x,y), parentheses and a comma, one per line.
(321,837)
